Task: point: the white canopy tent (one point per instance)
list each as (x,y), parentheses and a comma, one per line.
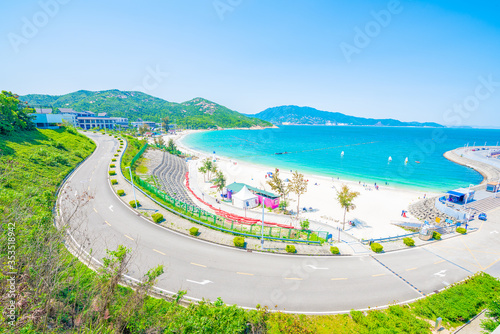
(245,199)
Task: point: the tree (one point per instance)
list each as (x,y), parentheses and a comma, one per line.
(204,171)
(279,186)
(14,114)
(165,122)
(207,166)
(220,181)
(304,224)
(298,186)
(171,146)
(143,129)
(345,197)
(159,141)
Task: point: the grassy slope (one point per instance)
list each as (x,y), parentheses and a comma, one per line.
(31,167)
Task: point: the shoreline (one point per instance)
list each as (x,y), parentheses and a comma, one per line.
(376,209)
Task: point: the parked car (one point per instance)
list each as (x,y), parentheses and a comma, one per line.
(482,216)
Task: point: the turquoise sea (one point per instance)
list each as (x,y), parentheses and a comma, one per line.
(317,150)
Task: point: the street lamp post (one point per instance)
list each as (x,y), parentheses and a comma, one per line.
(133,187)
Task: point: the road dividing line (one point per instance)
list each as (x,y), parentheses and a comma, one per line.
(201,283)
(199,265)
(111,208)
(377,275)
(107,223)
(128,237)
(293,278)
(239,273)
(410,269)
(339,279)
(95,210)
(159,252)
(439,262)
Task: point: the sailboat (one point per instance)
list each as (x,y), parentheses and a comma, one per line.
(390,159)
(342,154)
(406,160)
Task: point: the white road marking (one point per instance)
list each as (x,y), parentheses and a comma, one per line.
(201,283)
(315,268)
(494,232)
(441,273)
(111,208)
(446,283)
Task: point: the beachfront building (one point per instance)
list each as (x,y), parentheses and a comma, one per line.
(245,199)
(269,199)
(493,187)
(460,196)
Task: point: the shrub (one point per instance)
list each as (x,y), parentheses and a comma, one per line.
(461,230)
(239,242)
(114,181)
(112,172)
(120,192)
(290,249)
(376,247)
(304,224)
(334,250)
(116,155)
(112,166)
(113,160)
(436,235)
(409,242)
(157,217)
(132,203)
(193,231)
(118,150)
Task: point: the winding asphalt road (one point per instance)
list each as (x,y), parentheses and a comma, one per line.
(305,284)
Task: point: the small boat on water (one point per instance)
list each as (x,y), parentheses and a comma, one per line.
(406,160)
(390,159)
(342,154)
(279,153)
(417,162)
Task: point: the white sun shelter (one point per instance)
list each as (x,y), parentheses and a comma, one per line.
(245,199)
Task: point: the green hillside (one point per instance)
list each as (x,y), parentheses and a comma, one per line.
(195,114)
(311,116)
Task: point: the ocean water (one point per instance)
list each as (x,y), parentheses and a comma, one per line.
(317,150)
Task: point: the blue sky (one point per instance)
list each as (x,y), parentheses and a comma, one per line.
(411,60)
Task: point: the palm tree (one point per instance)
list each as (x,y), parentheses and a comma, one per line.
(206,167)
(220,181)
(345,197)
(298,185)
(203,170)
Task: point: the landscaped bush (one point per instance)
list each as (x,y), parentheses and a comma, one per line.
(334,250)
(118,150)
(157,217)
(409,242)
(113,160)
(376,247)
(114,181)
(436,235)
(120,192)
(239,242)
(112,172)
(116,155)
(290,249)
(193,231)
(461,230)
(132,203)
(112,166)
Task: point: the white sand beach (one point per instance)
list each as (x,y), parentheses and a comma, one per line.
(375,209)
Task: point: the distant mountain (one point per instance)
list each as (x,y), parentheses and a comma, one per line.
(197,113)
(310,116)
